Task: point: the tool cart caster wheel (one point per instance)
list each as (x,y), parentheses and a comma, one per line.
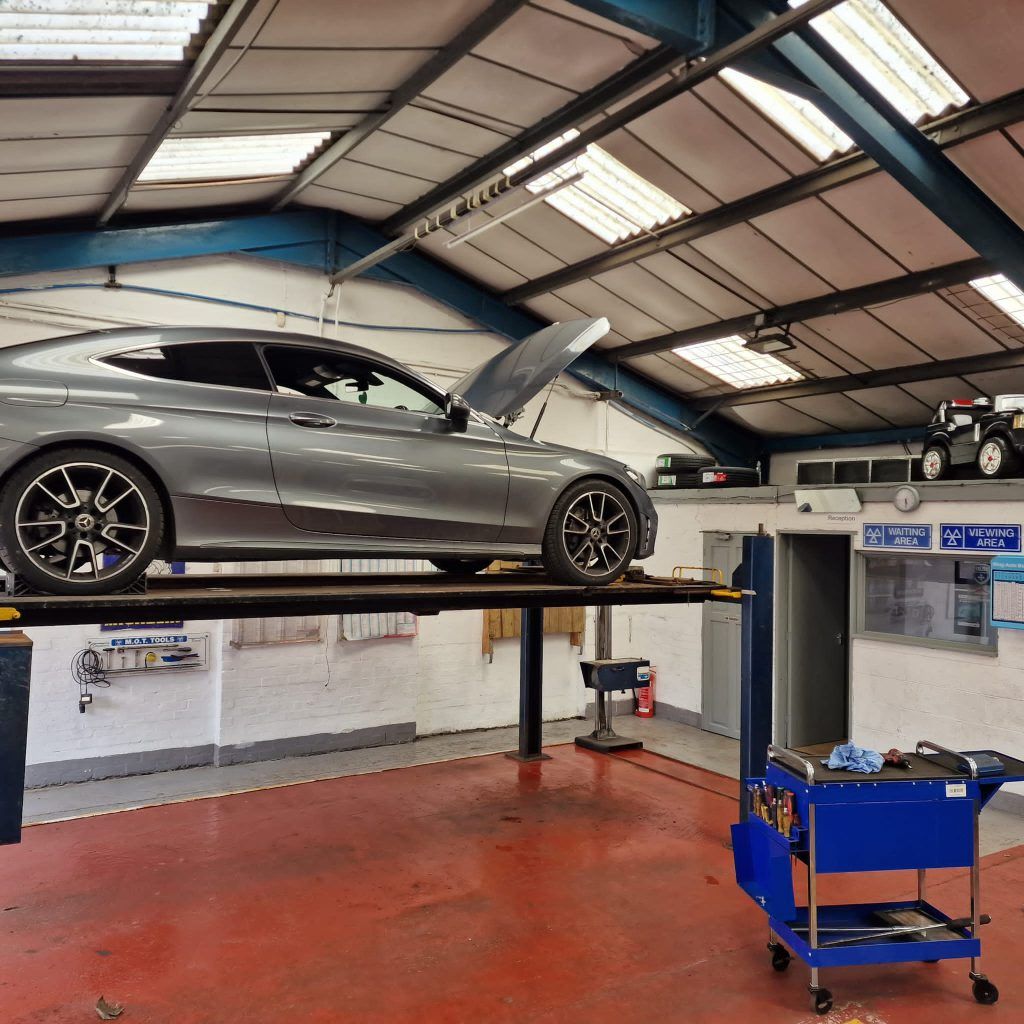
(780,958)
(822,1001)
(985,992)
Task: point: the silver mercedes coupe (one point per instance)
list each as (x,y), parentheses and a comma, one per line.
(121,446)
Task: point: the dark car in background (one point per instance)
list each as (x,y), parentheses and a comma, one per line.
(121,446)
(988,432)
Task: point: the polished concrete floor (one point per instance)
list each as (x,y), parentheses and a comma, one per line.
(586,888)
(1000,831)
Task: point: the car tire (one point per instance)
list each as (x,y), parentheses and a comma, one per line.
(594,513)
(995,458)
(101,506)
(935,462)
(461,566)
(728,476)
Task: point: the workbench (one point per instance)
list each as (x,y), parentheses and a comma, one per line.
(916,818)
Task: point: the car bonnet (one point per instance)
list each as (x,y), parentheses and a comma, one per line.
(507,381)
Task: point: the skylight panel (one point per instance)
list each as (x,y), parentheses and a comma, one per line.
(731,361)
(609,199)
(879,45)
(225,157)
(797,116)
(1002,292)
(84,30)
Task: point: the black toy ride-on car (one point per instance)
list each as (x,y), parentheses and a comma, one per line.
(985,431)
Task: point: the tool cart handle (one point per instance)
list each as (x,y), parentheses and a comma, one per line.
(787,757)
(955,757)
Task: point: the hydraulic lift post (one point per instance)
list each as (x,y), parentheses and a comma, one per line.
(531,686)
(15,674)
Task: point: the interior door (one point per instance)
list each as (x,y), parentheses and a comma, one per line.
(817,631)
(352,453)
(721,643)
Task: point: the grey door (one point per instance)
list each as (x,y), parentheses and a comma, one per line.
(815,629)
(721,642)
(359,450)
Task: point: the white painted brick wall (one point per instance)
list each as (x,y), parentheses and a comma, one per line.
(440,680)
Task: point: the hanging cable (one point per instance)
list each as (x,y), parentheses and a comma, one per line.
(87,670)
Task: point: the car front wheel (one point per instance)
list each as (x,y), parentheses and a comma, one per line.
(591,535)
(995,458)
(935,462)
(79,521)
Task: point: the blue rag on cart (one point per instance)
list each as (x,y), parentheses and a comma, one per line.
(855,759)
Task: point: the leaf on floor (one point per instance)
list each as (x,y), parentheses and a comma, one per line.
(108,1011)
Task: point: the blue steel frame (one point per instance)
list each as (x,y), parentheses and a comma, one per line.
(757,657)
(688,25)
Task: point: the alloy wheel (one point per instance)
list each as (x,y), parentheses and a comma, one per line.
(82,522)
(596,533)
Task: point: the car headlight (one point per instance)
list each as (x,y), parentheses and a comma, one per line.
(636,477)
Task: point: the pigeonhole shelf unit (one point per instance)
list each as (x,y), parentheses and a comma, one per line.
(897,819)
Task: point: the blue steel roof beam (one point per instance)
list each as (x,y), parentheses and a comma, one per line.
(900,148)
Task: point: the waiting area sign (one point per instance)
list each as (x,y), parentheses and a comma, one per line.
(891,535)
(979,537)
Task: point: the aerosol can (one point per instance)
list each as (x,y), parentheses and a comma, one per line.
(645,682)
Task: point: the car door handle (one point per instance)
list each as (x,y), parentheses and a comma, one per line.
(311,419)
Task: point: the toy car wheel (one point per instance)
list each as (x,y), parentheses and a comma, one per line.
(995,458)
(79,521)
(935,462)
(462,566)
(591,534)
(985,992)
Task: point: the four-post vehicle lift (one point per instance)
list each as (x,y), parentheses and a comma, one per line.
(919,818)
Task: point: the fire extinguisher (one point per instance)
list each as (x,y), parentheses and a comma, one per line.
(645,696)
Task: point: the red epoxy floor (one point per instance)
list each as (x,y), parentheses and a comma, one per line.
(582,888)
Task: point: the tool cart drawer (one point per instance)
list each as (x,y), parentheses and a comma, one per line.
(894,836)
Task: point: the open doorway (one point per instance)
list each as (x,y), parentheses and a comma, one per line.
(813,638)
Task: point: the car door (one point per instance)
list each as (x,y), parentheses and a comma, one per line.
(965,435)
(364,449)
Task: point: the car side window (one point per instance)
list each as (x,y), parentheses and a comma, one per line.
(316,373)
(229,363)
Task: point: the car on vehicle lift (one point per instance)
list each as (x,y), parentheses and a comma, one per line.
(988,432)
(121,446)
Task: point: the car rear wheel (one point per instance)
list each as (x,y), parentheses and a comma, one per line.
(591,535)
(464,566)
(995,458)
(79,521)
(935,462)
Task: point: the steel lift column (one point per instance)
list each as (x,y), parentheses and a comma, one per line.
(15,672)
(531,686)
(756,573)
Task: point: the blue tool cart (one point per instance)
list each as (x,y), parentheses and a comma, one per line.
(916,818)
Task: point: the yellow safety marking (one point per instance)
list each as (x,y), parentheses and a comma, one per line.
(734,594)
(7,614)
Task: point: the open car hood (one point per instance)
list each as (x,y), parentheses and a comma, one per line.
(508,380)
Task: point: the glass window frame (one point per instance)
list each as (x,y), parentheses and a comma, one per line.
(103,359)
(421,386)
(860,597)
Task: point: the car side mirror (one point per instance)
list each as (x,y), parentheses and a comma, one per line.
(456,410)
